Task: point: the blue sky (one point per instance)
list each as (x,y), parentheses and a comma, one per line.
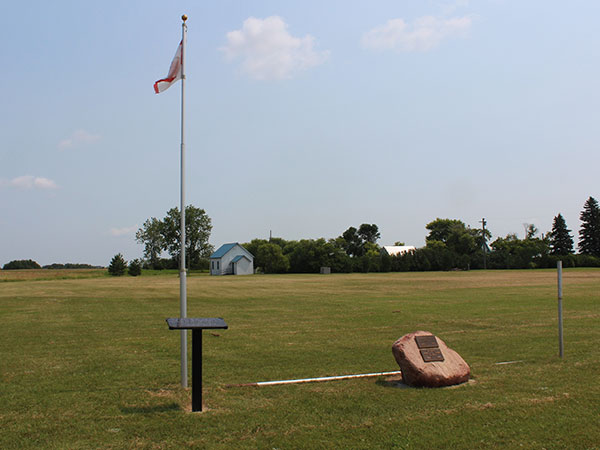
(303,118)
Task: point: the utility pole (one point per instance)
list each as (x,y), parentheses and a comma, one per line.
(526,227)
(483,224)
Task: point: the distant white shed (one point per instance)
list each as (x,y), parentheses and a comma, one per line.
(394,250)
(231,259)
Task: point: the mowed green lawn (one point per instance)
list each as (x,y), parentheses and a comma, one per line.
(89,362)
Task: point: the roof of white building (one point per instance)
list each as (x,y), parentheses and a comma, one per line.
(238,257)
(394,250)
(223,249)
(226,248)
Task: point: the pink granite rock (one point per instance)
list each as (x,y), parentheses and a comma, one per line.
(417,372)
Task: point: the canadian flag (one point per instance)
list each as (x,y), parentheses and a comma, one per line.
(174,73)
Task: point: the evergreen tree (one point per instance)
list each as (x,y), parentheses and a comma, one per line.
(135,268)
(117,266)
(561,241)
(589,234)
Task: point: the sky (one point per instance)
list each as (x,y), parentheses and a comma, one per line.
(302,119)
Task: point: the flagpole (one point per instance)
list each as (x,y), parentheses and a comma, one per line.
(182,270)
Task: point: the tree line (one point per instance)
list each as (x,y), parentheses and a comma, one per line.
(20,264)
(450,244)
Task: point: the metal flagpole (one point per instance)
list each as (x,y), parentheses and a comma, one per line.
(182,270)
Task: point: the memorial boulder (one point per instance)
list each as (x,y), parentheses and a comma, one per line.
(426,361)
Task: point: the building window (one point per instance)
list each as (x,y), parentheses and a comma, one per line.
(217,265)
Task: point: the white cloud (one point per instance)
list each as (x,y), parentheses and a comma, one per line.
(452,6)
(29,182)
(78,138)
(123,231)
(425,33)
(269,52)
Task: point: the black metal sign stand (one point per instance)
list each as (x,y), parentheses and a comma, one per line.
(196,325)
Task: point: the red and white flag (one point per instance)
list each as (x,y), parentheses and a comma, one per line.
(174,73)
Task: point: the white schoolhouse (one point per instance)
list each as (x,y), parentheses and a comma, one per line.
(231,259)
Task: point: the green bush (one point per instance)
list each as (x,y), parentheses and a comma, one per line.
(587,261)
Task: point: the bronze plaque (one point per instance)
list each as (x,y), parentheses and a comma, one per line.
(426,341)
(431,354)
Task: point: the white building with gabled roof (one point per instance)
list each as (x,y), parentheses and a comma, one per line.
(395,250)
(231,259)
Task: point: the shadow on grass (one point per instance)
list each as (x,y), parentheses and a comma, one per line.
(150,409)
(392,383)
(399,384)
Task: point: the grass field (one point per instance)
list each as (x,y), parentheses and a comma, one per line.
(87,361)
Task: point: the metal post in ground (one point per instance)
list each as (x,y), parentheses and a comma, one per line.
(197,369)
(561,349)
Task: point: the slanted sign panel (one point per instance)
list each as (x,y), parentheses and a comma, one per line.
(429,348)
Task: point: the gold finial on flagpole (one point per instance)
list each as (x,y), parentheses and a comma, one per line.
(184,17)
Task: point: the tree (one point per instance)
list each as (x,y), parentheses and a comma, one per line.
(135,268)
(309,255)
(513,253)
(252,247)
(197,232)
(530,231)
(150,235)
(70,266)
(561,241)
(271,258)
(589,233)
(356,240)
(442,229)
(479,257)
(439,256)
(370,261)
(117,266)
(460,243)
(481,237)
(369,233)
(352,243)
(21,264)
(338,259)
(304,256)
(164,235)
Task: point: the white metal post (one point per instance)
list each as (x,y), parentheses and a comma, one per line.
(182,269)
(560,314)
